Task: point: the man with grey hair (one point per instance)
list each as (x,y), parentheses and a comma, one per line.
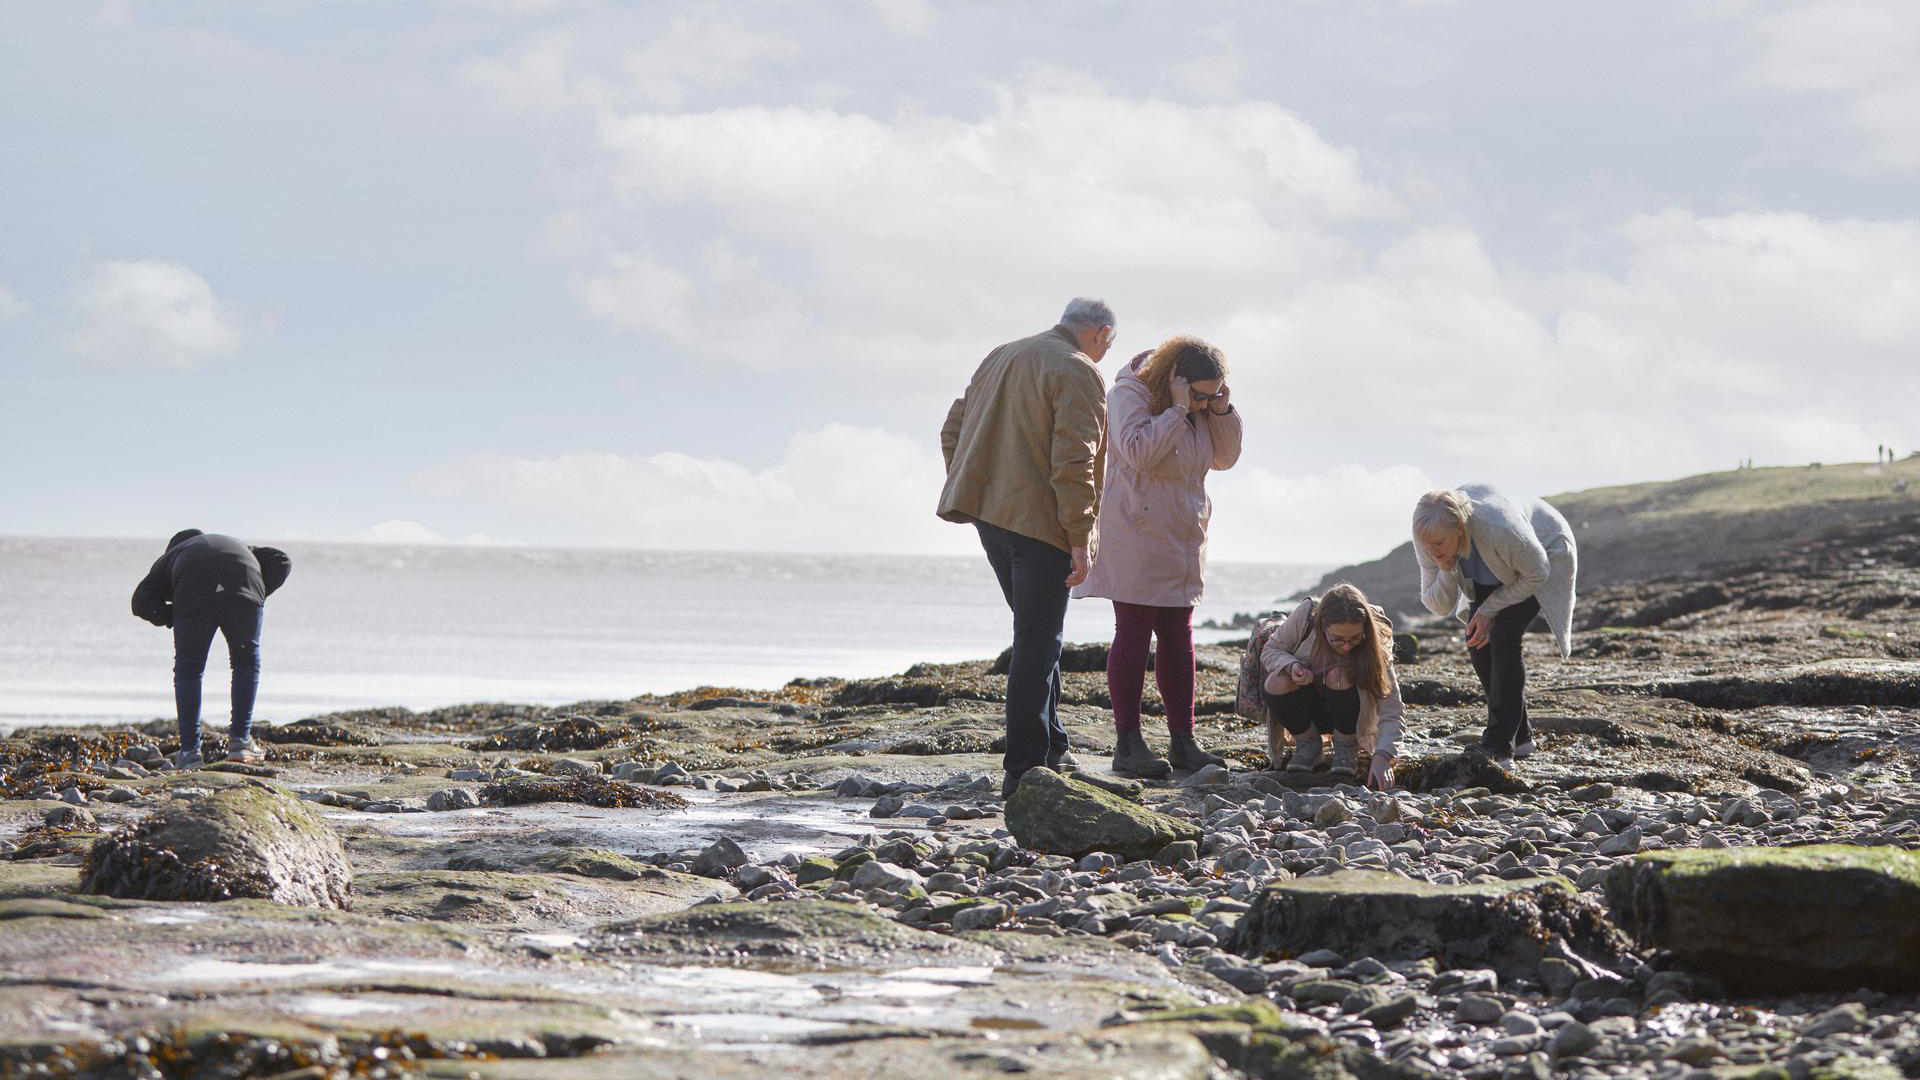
(1026,454)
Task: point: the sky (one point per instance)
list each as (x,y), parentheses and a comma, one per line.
(707,275)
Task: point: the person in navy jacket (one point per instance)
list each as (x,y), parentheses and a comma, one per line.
(207,584)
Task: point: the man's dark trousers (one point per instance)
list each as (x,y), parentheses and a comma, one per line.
(1503,672)
(239,621)
(1033,577)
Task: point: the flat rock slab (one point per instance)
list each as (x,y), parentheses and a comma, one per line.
(1830,916)
(1829,682)
(251,840)
(1506,925)
(1059,815)
(814,931)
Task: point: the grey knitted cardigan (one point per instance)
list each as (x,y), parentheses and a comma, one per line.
(1527,545)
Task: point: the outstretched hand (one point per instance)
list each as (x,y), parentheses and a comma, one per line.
(1380,775)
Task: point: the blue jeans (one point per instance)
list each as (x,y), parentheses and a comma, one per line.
(237,620)
(1033,577)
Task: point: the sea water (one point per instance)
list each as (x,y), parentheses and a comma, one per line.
(361,625)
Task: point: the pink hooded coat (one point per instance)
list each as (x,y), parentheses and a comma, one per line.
(1154,511)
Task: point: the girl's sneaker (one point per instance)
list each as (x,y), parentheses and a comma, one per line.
(243,753)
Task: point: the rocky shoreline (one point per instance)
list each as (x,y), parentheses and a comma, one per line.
(1710,869)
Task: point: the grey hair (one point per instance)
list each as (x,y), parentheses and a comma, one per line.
(1086,313)
(1441,513)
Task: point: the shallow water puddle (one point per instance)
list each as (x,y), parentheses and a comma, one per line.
(749,1027)
(207,971)
(330,1005)
(766,826)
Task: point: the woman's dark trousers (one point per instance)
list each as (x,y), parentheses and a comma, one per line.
(1314,707)
(1033,577)
(238,621)
(1503,673)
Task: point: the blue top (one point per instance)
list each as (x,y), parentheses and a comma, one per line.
(1472,565)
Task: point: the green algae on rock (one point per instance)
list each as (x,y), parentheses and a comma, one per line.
(245,841)
(1828,916)
(1506,925)
(1059,815)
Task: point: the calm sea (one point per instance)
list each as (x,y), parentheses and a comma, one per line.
(370,625)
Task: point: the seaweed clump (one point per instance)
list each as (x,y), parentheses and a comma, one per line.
(590,791)
(572,733)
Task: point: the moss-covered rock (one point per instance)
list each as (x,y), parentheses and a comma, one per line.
(1831,916)
(811,930)
(1059,815)
(1507,925)
(251,840)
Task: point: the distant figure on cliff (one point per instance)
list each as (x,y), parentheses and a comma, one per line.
(1329,672)
(207,584)
(1170,421)
(1025,449)
(1497,562)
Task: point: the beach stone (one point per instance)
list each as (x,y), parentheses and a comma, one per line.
(1176,853)
(1333,812)
(1061,815)
(719,858)
(574,767)
(1479,1009)
(247,841)
(457,798)
(1840,1020)
(980,916)
(1208,774)
(1509,926)
(875,874)
(1572,1038)
(71,817)
(1828,916)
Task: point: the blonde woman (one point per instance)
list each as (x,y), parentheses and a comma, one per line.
(1170,421)
(1497,562)
(1330,673)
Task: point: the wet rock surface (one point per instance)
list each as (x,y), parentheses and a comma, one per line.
(823,880)
(1823,916)
(1508,926)
(244,841)
(1059,815)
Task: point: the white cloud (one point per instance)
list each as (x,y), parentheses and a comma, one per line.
(400,532)
(1862,52)
(846,240)
(838,488)
(592,64)
(11,306)
(148,311)
(911,18)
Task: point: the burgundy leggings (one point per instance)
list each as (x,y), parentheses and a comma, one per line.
(1133,624)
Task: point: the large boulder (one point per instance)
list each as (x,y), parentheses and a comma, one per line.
(1059,815)
(1831,916)
(1509,926)
(247,841)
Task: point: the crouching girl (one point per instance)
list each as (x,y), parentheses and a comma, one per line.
(1330,674)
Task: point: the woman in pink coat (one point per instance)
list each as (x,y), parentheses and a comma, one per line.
(1170,421)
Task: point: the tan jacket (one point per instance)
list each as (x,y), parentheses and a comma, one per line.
(1381,719)
(1026,446)
(1154,511)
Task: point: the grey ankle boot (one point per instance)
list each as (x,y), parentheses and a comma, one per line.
(1186,755)
(1132,758)
(1306,751)
(1346,755)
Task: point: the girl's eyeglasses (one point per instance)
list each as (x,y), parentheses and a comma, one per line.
(1348,642)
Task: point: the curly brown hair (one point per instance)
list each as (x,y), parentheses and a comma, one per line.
(1186,356)
(1372,659)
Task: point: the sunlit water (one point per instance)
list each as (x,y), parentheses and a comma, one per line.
(367,625)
